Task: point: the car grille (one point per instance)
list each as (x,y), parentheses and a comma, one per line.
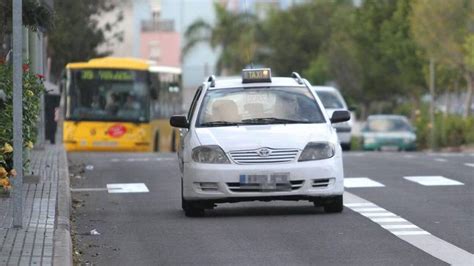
(237,187)
(274,156)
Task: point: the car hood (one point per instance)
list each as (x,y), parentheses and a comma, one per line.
(258,136)
(389,135)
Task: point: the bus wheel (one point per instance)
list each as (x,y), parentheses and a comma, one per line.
(173,142)
(156,147)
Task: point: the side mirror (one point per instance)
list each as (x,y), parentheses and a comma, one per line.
(179,121)
(340,116)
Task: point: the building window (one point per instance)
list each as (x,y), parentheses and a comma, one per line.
(155,52)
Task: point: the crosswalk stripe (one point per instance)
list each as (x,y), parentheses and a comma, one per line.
(399,226)
(361,182)
(410,233)
(127,188)
(433,180)
(378,214)
(359,204)
(417,237)
(388,220)
(372,209)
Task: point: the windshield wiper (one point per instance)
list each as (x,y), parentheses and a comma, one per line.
(219,124)
(273,120)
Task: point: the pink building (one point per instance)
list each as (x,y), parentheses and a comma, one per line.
(159,42)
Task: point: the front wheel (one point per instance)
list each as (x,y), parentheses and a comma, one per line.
(156,146)
(346,146)
(334,205)
(190,209)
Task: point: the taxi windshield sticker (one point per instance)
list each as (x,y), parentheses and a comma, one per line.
(117,75)
(256,75)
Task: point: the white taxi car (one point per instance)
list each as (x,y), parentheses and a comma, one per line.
(259,138)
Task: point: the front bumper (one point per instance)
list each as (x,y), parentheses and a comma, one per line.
(344,137)
(309,180)
(399,144)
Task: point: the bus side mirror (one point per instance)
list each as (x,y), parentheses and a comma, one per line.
(179,121)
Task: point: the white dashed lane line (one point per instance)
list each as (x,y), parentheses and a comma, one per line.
(440,160)
(117,160)
(361,182)
(469,164)
(433,181)
(409,232)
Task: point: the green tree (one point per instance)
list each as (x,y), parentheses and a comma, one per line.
(401,52)
(233,33)
(294,38)
(78,31)
(445,29)
(356,58)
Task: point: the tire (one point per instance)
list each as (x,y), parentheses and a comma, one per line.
(190,209)
(173,142)
(156,146)
(334,205)
(346,146)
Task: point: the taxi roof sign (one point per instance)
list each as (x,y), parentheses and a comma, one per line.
(256,75)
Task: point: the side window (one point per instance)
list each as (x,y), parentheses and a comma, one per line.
(194,103)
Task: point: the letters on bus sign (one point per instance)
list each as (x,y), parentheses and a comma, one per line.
(256,75)
(118,75)
(116,131)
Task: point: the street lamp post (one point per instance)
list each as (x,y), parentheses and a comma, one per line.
(17,113)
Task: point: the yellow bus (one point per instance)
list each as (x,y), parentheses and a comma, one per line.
(120,104)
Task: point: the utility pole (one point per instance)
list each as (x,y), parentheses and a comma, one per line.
(40,70)
(17,113)
(432,103)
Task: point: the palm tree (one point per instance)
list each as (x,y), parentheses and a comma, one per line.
(233,33)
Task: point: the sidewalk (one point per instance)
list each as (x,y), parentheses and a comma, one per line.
(34,244)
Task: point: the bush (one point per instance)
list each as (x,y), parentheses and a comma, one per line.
(32,89)
(450,130)
(356,143)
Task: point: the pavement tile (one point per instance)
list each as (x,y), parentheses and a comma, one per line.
(39,214)
(13,260)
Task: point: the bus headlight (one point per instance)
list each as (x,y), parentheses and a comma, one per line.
(317,151)
(209,154)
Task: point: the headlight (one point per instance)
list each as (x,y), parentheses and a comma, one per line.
(317,151)
(209,154)
(409,139)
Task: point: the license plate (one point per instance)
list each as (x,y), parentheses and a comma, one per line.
(266,182)
(389,148)
(104,143)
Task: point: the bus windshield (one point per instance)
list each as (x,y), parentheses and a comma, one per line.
(108,95)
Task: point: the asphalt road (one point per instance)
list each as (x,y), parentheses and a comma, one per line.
(435,222)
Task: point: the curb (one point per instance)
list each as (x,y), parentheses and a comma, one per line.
(62,254)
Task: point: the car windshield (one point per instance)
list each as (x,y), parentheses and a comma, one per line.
(256,106)
(108,95)
(330,100)
(387,125)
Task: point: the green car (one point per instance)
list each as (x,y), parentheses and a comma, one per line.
(388,132)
